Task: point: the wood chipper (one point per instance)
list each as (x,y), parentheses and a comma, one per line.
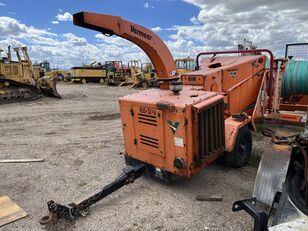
(181,127)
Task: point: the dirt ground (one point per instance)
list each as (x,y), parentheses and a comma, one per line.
(80,138)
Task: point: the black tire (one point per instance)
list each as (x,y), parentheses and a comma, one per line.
(117,83)
(60,77)
(295,179)
(144,84)
(242,149)
(102,81)
(83,81)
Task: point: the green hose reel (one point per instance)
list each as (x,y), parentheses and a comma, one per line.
(295,80)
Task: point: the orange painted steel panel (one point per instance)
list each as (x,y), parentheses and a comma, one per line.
(238,78)
(148,126)
(231,131)
(173,135)
(192,79)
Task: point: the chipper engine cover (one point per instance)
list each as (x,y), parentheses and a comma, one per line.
(177,133)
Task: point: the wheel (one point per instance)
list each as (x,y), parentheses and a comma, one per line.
(102,81)
(144,84)
(295,179)
(60,77)
(117,82)
(242,149)
(83,81)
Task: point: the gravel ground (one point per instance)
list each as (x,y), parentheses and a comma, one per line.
(80,138)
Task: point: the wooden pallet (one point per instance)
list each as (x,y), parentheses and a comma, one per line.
(10,211)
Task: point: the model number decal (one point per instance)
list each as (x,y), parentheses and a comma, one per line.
(148,111)
(178,142)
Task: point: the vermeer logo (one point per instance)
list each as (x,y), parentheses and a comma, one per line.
(140,33)
(173,125)
(233,73)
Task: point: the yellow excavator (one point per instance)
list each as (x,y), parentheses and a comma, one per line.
(17,82)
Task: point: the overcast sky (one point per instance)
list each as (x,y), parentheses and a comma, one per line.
(187,27)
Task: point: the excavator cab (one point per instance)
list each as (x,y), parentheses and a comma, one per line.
(185,65)
(116,74)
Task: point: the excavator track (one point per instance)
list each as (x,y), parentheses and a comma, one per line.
(12,91)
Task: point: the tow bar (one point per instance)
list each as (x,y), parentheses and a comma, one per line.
(72,211)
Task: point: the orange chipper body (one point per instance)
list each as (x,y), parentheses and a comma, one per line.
(180,132)
(238,78)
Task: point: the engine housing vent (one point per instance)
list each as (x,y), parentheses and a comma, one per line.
(211,131)
(149,129)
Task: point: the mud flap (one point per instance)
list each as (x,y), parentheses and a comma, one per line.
(47,86)
(271,174)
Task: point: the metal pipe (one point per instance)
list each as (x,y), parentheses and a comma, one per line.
(242,52)
(9,56)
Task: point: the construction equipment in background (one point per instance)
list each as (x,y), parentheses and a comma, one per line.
(43,69)
(133,73)
(247,45)
(46,65)
(117,73)
(175,130)
(38,71)
(184,65)
(60,75)
(142,76)
(149,77)
(281,184)
(93,72)
(17,82)
(134,67)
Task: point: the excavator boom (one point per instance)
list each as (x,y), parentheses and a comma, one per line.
(146,39)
